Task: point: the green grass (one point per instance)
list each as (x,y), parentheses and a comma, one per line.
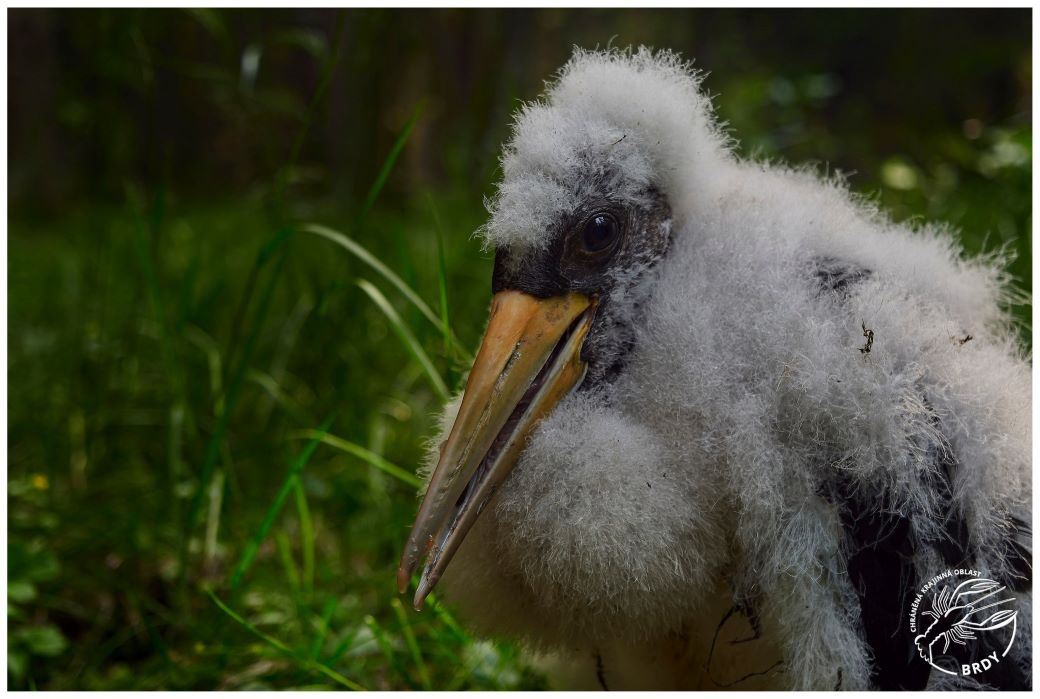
(238,542)
(178,518)
(171,369)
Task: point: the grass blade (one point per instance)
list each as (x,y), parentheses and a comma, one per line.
(375,263)
(442,285)
(442,279)
(198,337)
(323,628)
(445,616)
(319,93)
(306,536)
(360,452)
(253,545)
(216,499)
(406,336)
(344,645)
(384,645)
(278,395)
(217,438)
(388,164)
(413,645)
(146,226)
(279,646)
(285,553)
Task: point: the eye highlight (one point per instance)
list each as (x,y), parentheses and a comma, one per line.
(600,233)
(591,242)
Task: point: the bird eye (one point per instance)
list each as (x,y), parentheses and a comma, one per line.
(600,233)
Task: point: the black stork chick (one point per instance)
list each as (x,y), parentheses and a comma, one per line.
(722,426)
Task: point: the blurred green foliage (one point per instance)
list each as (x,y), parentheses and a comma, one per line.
(177,336)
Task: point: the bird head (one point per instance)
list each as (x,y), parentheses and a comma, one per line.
(595,179)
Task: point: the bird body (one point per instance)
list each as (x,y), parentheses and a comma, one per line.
(744,488)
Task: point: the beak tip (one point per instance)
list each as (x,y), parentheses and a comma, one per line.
(422,591)
(402,579)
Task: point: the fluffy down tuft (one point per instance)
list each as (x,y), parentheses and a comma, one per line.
(614,123)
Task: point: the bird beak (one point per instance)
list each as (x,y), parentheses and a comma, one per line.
(529,360)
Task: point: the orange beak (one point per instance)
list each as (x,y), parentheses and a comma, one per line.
(529,360)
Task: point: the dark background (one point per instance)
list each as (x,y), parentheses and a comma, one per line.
(174,332)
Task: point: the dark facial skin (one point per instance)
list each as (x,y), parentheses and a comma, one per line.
(603,250)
